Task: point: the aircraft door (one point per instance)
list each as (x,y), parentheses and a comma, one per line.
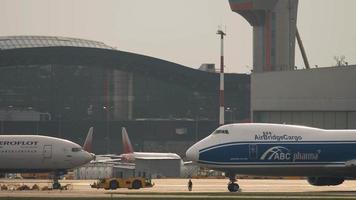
(47,151)
(252,151)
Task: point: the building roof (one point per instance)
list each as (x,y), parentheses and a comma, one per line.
(43,50)
(18,42)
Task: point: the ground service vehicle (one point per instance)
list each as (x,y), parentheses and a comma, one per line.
(130,183)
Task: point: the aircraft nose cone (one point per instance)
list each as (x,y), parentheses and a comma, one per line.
(89,157)
(192,154)
(93,156)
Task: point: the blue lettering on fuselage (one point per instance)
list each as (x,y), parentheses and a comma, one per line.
(269,136)
(280,153)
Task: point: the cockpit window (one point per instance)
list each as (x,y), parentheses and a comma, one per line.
(221,132)
(76,149)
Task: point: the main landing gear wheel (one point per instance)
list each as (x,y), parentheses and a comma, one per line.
(56,186)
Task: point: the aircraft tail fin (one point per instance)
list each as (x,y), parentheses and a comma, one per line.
(127,147)
(87,146)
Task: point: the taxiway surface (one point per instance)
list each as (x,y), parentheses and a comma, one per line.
(81,188)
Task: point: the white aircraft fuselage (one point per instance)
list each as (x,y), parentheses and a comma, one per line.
(278,150)
(34,153)
(130,157)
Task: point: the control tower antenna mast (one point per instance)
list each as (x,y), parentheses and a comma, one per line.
(221,95)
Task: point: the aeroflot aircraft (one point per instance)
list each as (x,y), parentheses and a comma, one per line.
(35,153)
(325,157)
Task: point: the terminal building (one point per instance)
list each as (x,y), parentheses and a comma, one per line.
(322,97)
(61,86)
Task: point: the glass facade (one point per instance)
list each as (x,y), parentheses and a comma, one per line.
(72,92)
(190,99)
(65,92)
(156,98)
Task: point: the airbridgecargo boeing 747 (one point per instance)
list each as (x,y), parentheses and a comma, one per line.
(325,157)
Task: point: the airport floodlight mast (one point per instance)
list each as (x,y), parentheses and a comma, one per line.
(221,95)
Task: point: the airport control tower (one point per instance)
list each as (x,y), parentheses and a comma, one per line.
(274,31)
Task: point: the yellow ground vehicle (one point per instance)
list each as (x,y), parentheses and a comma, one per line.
(130,183)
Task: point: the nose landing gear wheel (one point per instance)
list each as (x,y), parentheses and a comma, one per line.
(233,187)
(56,185)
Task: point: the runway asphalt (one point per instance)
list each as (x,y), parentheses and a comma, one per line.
(202,189)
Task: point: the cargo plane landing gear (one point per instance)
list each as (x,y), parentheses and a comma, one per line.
(232,186)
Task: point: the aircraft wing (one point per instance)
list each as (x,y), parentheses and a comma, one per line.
(114,161)
(188,163)
(112,156)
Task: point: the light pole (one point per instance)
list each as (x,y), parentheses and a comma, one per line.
(196,128)
(37,127)
(222,87)
(107,109)
(197,124)
(59,118)
(2,126)
(229,110)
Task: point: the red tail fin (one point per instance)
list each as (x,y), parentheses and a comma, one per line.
(127,147)
(87,146)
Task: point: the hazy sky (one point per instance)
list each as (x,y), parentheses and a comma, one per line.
(181,31)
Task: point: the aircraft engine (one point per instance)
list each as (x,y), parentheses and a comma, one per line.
(325,181)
